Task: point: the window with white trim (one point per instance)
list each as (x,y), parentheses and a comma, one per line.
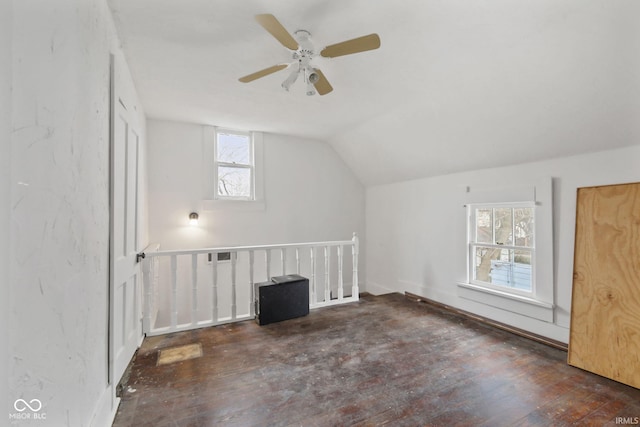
(510,246)
(502,247)
(234,165)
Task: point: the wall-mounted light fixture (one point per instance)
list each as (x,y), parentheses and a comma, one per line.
(193,218)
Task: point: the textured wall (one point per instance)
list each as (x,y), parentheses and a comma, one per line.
(60,207)
(5,196)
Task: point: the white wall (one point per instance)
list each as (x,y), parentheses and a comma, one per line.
(5,197)
(59,266)
(310,194)
(416,230)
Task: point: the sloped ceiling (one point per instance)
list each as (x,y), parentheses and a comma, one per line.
(456,85)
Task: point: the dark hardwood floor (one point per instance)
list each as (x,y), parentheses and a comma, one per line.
(385,360)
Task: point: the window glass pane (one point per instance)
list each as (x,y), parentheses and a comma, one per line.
(503,267)
(524,224)
(522,257)
(503,226)
(234,149)
(234,182)
(484,257)
(484,223)
(521,271)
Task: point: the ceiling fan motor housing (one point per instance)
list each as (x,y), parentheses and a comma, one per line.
(303,37)
(304,54)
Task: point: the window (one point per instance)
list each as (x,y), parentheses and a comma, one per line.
(501,247)
(509,249)
(234,166)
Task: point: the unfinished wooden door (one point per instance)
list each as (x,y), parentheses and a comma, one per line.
(605,309)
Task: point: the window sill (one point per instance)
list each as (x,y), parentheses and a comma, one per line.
(234,205)
(525,306)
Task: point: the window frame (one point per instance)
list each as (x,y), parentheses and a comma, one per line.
(251,166)
(496,303)
(472,244)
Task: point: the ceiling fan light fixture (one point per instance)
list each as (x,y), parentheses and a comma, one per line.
(312,76)
(291,79)
(310,90)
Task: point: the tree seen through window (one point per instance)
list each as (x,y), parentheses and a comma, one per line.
(234,158)
(502,246)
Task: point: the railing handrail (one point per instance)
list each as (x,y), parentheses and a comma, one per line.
(250,248)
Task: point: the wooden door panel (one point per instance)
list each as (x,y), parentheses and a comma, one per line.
(605,309)
(124,311)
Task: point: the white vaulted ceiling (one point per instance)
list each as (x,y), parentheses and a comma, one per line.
(456,85)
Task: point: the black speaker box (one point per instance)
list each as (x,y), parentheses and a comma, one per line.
(283,298)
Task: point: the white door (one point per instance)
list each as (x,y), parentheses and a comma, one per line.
(125,281)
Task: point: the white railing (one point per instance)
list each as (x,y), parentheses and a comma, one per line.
(188,289)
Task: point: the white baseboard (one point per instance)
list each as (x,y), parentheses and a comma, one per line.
(377,289)
(106,408)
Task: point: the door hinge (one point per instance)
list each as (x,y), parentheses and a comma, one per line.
(140,256)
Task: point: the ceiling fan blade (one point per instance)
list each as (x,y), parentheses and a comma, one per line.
(360,44)
(275,28)
(262,73)
(322,85)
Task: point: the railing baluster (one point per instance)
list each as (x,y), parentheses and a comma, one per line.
(297,260)
(355,293)
(267,256)
(252,297)
(340,279)
(283,259)
(312,296)
(146,278)
(234,256)
(174,292)
(194,289)
(327,281)
(214,288)
(155,289)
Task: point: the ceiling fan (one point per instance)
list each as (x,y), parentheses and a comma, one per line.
(303,53)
